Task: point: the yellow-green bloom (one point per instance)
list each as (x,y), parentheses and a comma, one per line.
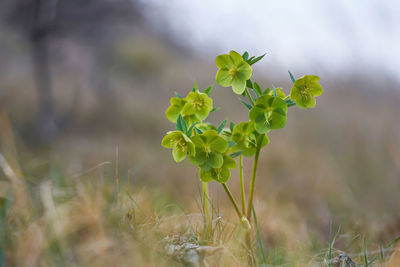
(209,149)
(193,108)
(181,145)
(197,104)
(233,71)
(268,113)
(305,90)
(246,139)
(221,174)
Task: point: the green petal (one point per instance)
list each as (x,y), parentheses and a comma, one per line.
(223,175)
(229,162)
(177,101)
(238,85)
(169,140)
(172,113)
(188,109)
(215,160)
(205,176)
(198,141)
(316,89)
(236,57)
(224,61)
(244,71)
(189,145)
(224,78)
(219,144)
(178,155)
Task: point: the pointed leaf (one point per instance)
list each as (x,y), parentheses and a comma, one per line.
(208,90)
(245,56)
(181,124)
(198,130)
(215,109)
(221,126)
(291,76)
(257,88)
(178,95)
(245,104)
(231,126)
(234,155)
(189,132)
(251,62)
(249,84)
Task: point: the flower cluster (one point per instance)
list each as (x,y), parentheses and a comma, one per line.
(213,149)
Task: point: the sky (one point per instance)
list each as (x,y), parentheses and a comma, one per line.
(338,36)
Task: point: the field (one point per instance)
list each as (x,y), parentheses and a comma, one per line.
(102,191)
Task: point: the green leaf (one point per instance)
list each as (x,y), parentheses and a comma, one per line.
(249,84)
(257,88)
(231,143)
(195,87)
(245,56)
(291,76)
(245,104)
(231,126)
(255,92)
(221,126)
(178,95)
(251,62)
(215,109)
(234,155)
(290,102)
(273,87)
(181,124)
(198,130)
(191,128)
(208,90)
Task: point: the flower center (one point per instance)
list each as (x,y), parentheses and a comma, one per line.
(198,104)
(233,71)
(181,144)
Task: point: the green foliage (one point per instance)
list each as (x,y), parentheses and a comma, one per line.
(305,90)
(233,71)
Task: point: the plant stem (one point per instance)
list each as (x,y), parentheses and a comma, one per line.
(252,182)
(206,206)
(242,193)
(233,201)
(250,97)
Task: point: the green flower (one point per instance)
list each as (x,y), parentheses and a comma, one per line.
(304,90)
(209,149)
(175,109)
(197,104)
(221,174)
(233,70)
(268,113)
(181,145)
(194,107)
(247,138)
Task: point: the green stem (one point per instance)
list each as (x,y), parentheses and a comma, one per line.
(233,201)
(253,180)
(206,206)
(250,97)
(242,193)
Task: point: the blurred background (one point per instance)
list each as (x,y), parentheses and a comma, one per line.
(86,83)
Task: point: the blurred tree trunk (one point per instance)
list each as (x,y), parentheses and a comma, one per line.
(44,14)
